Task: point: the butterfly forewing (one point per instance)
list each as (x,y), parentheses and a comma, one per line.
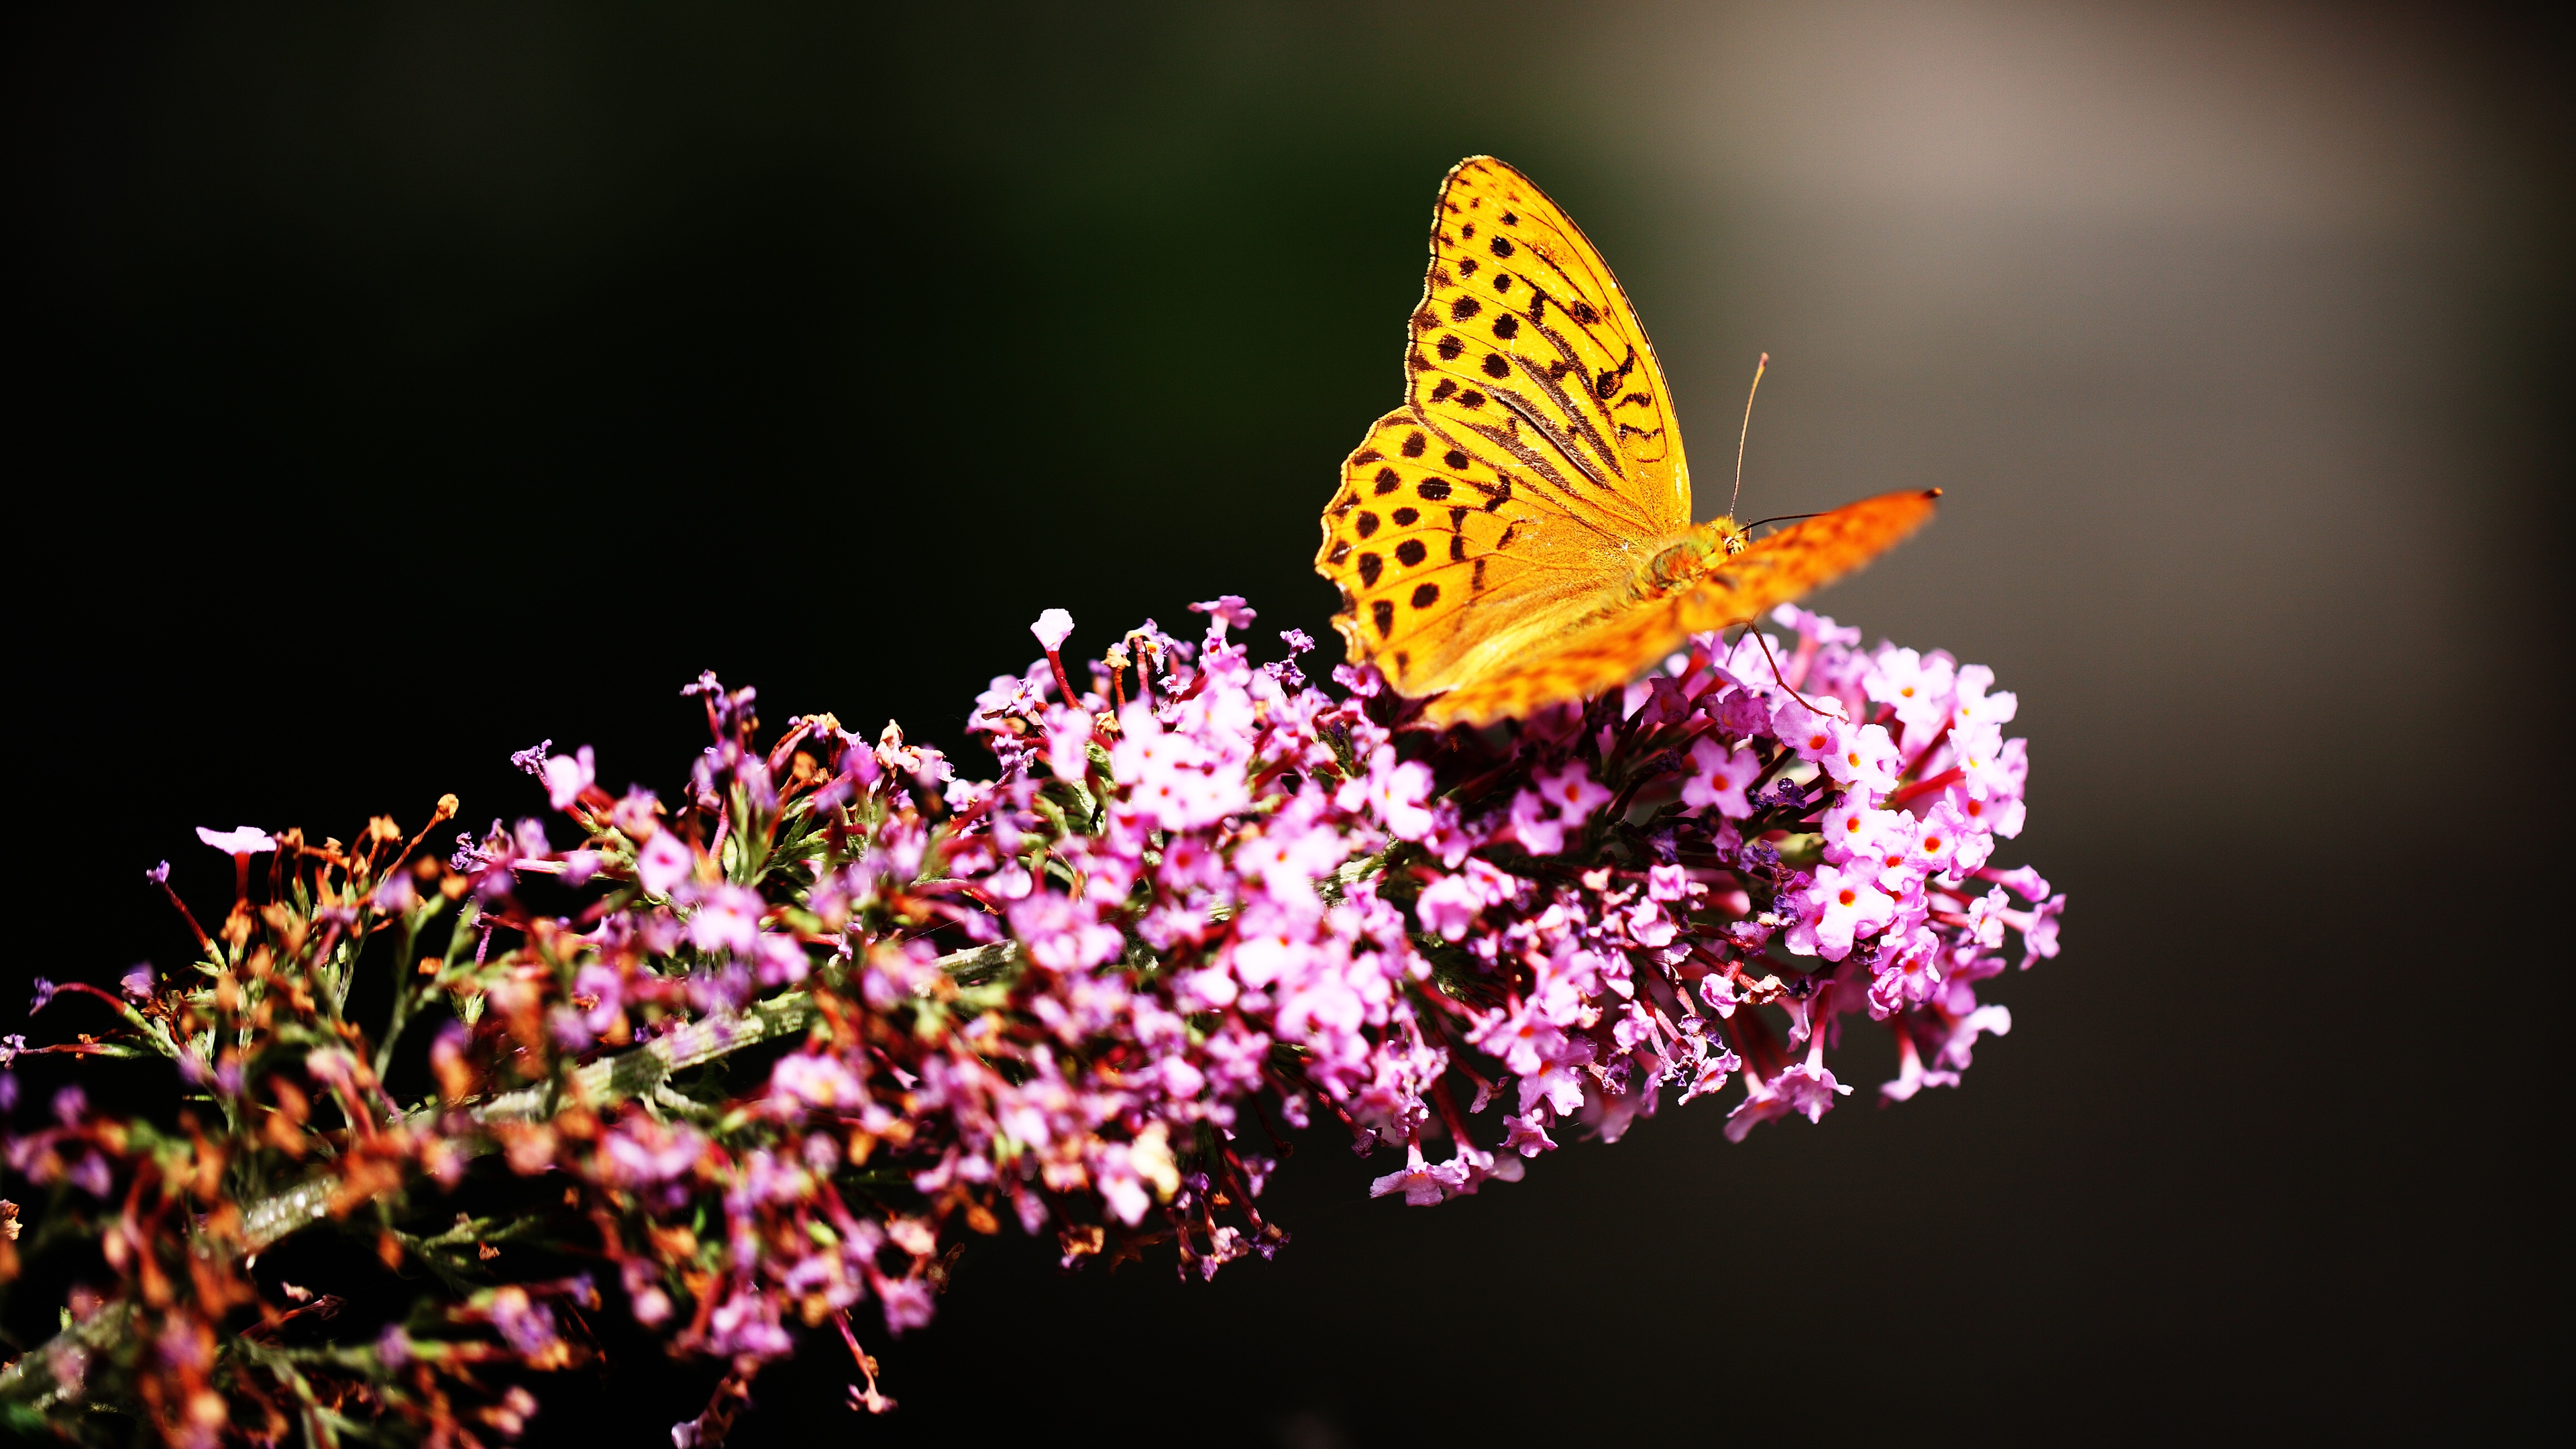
(1526,344)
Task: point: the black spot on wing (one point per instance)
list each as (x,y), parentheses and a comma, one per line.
(1370,567)
(1411,552)
(1368,524)
(1407,517)
(1507,327)
(1432,489)
(1426,595)
(1388,480)
(1495,366)
(1449,347)
(1446,386)
(1464,308)
(1382,614)
(1414,443)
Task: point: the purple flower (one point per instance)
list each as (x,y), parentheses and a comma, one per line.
(137,981)
(159,874)
(528,1327)
(44,995)
(394,894)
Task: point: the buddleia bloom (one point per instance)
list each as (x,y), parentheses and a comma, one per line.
(1199,902)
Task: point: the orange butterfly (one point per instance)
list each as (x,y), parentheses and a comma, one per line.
(1519,533)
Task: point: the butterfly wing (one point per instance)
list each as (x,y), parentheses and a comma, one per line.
(1611,646)
(1535,464)
(1525,342)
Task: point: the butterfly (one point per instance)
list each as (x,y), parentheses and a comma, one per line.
(1519,533)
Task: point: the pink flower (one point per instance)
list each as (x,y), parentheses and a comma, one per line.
(1535,825)
(664,863)
(1820,628)
(1392,792)
(1987,814)
(1813,735)
(1052,627)
(2023,881)
(1449,905)
(567,776)
(2038,929)
(816,1081)
(1864,759)
(1418,1182)
(1224,611)
(727,918)
(1290,853)
(1911,1076)
(247,840)
(1718,777)
(1853,829)
(1938,841)
(1063,934)
(1068,737)
(1570,792)
(1918,685)
(1838,907)
(1527,1135)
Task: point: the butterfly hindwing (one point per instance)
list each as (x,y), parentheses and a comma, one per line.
(1442,555)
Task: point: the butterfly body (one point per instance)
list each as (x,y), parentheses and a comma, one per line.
(1519,533)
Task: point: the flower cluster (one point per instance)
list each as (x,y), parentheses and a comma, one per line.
(1200,898)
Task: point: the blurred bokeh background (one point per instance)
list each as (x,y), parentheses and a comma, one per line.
(400,385)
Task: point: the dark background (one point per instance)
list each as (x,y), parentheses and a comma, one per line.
(400,385)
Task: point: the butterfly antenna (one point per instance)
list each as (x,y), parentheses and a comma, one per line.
(1765,641)
(1746,433)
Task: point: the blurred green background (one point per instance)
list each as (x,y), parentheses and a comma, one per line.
(403,384)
